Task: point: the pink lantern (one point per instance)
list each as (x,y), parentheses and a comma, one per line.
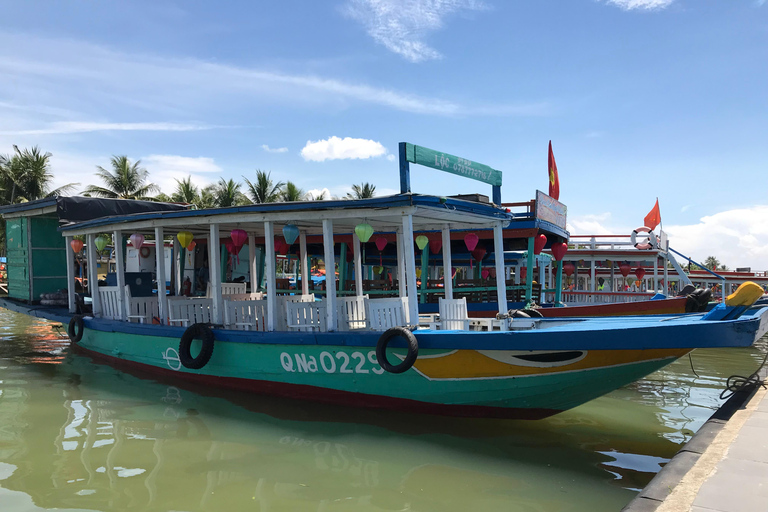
(381,243)
(485,273)
(569,268)
(538,243)
(230,245)
(239,237)
(471,239)
(137,240)
(639,272)
(281,247)
(559,250)
(77,245)
(478,254)
(435,246)
(625,269)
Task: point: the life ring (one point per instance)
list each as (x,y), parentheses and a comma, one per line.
(410,358)
(143,253)
(650,244)
(194,332)
(75,328)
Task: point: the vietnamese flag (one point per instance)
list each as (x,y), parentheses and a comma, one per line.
(654,217)
(554,181)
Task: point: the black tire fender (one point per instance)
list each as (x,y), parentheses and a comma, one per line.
(196,332)
(410,358)
(75,328)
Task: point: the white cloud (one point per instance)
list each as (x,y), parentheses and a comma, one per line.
(323,193)
(84,127)
(336,148)
(164,170)
(391,158)
(273,150)
(402,25)
(647,5)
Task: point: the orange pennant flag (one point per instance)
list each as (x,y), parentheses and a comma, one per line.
(554,180)
(654,217)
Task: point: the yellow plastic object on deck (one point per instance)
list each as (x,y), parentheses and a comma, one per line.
(745,295)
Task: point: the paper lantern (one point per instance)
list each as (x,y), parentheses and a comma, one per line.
(137,240)
(77,245)
(191,246)
(435,246)
(538,243)
(485,273)
(421,242)
(418,273)
(381,243)
(185,238)
(239,237)
(281,247)
(639,272)
(479,253)
(230,245)
(101,242)
(523,272)
(471,239)
(364,232)
(378,269)
(569,268)
(559,250)
(625,269)
(290,233)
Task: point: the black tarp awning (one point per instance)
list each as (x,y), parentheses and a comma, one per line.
(79,209)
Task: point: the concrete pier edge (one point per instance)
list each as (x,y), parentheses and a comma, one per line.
(663,484)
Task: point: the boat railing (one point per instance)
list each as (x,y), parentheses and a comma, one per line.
(588,297)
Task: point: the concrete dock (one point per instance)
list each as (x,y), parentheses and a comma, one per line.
(724,468)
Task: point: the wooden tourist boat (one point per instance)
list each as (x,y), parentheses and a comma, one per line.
(360,349)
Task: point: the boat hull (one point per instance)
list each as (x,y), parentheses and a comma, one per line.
(671,306)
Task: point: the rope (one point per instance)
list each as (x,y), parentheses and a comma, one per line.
(690,358)
(736,383)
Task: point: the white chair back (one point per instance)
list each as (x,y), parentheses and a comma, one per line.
(282,300)
(226,289)
(244,296)
(141,309)
(185,311)
(453,314)
(245,315)
(306,316)
(110,302)
(350,313)
(385,313)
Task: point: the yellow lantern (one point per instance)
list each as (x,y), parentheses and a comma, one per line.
(185,238)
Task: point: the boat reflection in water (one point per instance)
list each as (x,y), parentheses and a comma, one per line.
(82,435)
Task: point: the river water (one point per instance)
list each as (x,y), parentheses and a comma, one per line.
(79,435)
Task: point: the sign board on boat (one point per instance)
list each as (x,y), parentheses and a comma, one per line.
(452,164)
(551,210)
(663,241)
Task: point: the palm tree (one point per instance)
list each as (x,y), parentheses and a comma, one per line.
(124,181)
(27,176)
(362,191)
(207,198)
(186,191)
(292,193)
(318,197)
(264,190)
(227,193)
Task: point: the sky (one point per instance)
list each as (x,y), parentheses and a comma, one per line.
(642,99)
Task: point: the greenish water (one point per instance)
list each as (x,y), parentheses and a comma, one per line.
(78,435)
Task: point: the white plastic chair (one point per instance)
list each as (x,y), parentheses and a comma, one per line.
(453,314)
(245,315)
(385,313)
(306,316)
(350,313)
(140,309)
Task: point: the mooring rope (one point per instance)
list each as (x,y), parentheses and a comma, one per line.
(736,383)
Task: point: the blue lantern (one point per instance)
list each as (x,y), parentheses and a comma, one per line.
(290,233)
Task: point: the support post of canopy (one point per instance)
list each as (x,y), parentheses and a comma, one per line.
(447,265)
(410,274)
(666,275)
(358,265)
(424,274)
(655,272)
(401,272)
(269,260)
(214,271)
(178,262)
(162,298)
(70,254)
(343,267)
(330,274)
(592,285)
(93,275)
(559,283)
(252,275)
(529,273)
(117,237)
(305,277)
(501,283)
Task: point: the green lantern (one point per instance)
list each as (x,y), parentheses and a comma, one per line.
(101,242)
(421,242)
(364,231)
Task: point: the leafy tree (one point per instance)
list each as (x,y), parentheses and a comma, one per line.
(164,198)
(207,198)
(362,191)
(263,190)
(126,180)
(186,191)
(292,193)
(227,193)
(26,176)
(318,197)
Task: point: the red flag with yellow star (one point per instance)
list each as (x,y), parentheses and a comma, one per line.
(554,181)
(654,217)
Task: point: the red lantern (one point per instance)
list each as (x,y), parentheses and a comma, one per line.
(538,243)
(381,243)
(77,245)
(192,245)
(239,238)
(569,268)
(559,250)
(478,254)
(230,245)
(625,269)
(471,239)
(281,247)
(435,246)
(523,272)
(485,273)
(639,272)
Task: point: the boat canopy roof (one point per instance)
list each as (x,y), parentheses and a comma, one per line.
(384,214)
(79,209)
